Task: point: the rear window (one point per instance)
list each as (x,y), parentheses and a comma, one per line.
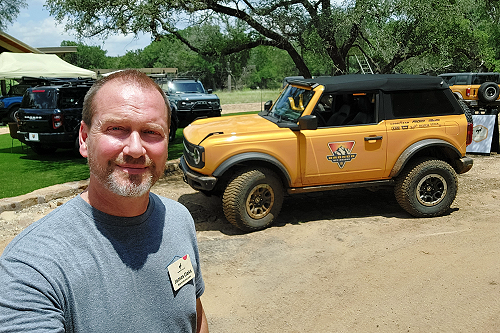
(39,98)
(482,78)
(425,103)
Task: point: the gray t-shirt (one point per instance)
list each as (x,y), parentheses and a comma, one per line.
(81,270)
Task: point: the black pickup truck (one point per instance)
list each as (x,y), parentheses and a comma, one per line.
(49,116)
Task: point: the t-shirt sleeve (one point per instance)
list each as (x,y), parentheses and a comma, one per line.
(27,300)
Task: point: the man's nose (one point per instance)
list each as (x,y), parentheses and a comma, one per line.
(134,146)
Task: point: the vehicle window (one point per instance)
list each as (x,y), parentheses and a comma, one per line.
(39,98)
(71,98)
(407,104)
(450,80)
(291,103)
(185,87)
(461,79)
(17,90)
(482,78)
(346,109)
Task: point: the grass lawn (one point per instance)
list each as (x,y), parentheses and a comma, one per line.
(247,96)
(22,171)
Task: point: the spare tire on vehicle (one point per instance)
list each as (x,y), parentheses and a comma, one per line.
(488,92)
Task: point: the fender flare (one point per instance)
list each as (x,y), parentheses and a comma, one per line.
(252,156)
(409,152)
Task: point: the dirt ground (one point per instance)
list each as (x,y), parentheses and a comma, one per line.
(346,261)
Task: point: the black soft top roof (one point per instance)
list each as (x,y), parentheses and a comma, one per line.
(365,82)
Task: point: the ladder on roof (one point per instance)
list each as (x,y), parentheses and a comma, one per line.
(364,65)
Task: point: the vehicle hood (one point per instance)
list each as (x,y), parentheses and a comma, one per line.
(194,96)
(7,99)
(226,127)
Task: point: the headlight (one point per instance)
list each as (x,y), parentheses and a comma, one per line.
(197,155)
(185,104)
(194,154)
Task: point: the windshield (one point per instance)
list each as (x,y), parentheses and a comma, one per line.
(17,90)
(291,103)
(183,87)
(39,98)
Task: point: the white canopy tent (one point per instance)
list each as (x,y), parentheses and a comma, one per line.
(17,65)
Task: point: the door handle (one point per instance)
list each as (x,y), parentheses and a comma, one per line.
(370,138)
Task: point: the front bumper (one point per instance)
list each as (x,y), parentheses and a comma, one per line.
(196,180)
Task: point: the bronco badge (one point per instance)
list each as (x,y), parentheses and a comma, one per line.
(341,152)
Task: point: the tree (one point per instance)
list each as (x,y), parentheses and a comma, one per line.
(278,23)
(319,36)
(9,9)
(89,57)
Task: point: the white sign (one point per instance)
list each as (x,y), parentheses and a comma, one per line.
(482,134)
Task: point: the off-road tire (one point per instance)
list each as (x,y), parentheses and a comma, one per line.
(426,187)
(13,113)
(252,199)
(488,92)
(172,129)
(467,111)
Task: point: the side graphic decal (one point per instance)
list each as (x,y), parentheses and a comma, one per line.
(341,152)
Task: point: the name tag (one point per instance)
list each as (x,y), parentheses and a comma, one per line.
(181,272)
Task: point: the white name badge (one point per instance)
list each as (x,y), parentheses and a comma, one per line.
(181,272)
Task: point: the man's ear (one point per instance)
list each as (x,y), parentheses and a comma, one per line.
(82,138)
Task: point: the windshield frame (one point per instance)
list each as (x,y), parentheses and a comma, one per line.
(291,103)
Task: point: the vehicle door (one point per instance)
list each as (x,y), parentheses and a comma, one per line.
(350,142)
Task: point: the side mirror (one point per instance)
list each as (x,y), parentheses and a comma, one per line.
(309,122)
(209,91)
(267,105)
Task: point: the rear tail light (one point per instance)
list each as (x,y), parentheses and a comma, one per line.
(57,120)
(467,92)
(470,128)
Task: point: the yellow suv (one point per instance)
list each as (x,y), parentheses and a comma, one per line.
(477,90)
(331,133)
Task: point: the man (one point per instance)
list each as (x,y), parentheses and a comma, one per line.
(116,258)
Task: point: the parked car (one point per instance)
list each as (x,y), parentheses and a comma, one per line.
(477,90)
(331,133)
(9,104)
(49,116)
(189,99)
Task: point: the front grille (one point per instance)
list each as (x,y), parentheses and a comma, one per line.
(188,152)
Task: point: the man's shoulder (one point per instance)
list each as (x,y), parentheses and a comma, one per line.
(59,222)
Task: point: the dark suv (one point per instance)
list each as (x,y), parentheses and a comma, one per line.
(49,116)
(189,99)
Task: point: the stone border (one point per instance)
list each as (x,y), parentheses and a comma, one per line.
(47,194)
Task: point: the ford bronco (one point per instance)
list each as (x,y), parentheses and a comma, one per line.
(477,90)
(49,116)
(327,133)
(189,99)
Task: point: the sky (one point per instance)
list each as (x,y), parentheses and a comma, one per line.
(35,27)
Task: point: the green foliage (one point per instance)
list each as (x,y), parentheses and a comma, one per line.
(9,10)
(89,57)
(275,38)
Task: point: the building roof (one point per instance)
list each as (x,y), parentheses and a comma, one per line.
(11,44)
